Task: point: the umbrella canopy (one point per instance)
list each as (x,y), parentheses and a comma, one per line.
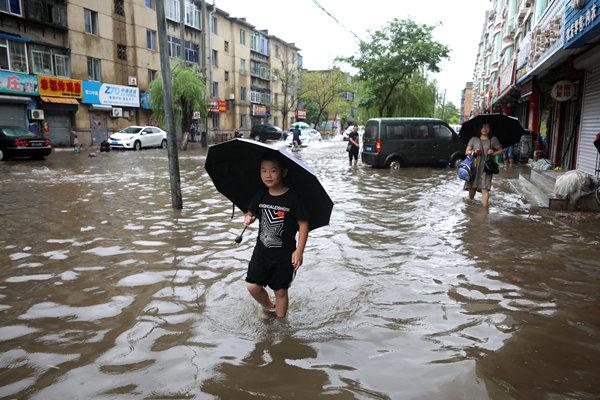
(507,129)
(301,125)
(234,167)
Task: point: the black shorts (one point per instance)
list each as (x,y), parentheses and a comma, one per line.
(275,273)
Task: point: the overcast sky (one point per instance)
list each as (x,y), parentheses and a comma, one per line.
(322,39)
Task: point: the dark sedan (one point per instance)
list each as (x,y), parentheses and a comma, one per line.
(265,132)
(17,142)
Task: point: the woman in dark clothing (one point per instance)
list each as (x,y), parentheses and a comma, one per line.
(353,145)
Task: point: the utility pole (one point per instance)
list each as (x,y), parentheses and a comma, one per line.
(174,176)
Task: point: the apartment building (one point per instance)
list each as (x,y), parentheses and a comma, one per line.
(466,102)
(33,46)
(84,66)
(538,61)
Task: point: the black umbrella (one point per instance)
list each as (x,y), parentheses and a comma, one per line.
(507,129)
(234,167)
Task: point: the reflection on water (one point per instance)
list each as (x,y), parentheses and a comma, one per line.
(412,292)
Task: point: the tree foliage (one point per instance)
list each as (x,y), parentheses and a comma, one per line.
(189,95)
(289,77)
(322,91)
(393,57)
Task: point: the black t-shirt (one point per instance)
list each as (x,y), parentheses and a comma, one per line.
(278,218)
(354,136)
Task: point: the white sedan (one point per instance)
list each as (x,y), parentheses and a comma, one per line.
(307,135)
(138,137)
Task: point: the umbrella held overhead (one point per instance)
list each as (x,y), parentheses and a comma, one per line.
(234,167)
(507,129)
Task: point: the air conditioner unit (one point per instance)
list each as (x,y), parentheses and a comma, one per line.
(231,96)
(116,112)
(36,114)
(132,81)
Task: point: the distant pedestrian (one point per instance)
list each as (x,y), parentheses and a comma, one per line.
(353,145)
(482,146)
(296,141)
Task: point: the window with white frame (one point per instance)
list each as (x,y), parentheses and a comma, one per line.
(41,59)
(94,71)
(149,3)
(90,19)
(191,52)
(62,66)
(11,7)
(244,121)
(192,15)
(151,39)
(242,36)
(242,65)
(255,97)
(242,93)
(214,89)
(226,76)
(174,46)
(172,11)
(13,56)
(151,75)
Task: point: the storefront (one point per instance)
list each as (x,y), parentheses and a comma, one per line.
(583,27)
(260,114)
(15,94)
(58,99)
(106,102)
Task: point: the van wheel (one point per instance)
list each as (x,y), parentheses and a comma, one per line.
(395,165)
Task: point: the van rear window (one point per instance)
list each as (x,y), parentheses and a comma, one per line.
(371,131)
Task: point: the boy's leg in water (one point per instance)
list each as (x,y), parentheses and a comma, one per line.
(472,193)
(260,295)
(281,302)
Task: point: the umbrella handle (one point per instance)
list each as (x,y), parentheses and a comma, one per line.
(239,238)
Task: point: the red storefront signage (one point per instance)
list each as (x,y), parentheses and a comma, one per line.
(217,106)
(59,87)
(562,91)
(300,113)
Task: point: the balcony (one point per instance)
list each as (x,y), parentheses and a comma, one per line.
(47,12)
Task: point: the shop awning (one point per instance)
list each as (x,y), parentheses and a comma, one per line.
(100,107)
(59,100)
(14,99)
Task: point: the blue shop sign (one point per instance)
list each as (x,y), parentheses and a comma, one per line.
(15,83)
(582,22)
(109,94)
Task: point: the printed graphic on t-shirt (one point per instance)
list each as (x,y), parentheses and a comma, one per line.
(271,223)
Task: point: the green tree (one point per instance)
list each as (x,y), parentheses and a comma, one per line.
(392,57)
(448,112)
(189,95)
(289,77)
(322,91)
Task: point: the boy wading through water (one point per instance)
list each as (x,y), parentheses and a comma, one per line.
(276,256)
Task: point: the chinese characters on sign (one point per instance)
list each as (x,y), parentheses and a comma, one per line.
(580,24)
(217,106)
(15,83)
(60,87)
(562,91)
(109,94)
(300,113)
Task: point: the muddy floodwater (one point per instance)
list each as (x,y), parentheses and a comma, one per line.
(412,292)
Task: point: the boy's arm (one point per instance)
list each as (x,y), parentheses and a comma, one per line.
(298,254)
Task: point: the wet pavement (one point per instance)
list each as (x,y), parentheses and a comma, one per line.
(412,292)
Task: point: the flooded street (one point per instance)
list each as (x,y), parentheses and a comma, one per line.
(412,292)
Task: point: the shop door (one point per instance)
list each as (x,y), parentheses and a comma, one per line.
(59,128)
(587,155)
(12,115)
(99,126)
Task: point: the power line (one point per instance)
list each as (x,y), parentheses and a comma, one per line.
(336,20)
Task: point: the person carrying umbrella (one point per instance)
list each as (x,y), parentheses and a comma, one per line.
(482,147)
(285,195)
(276,256)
